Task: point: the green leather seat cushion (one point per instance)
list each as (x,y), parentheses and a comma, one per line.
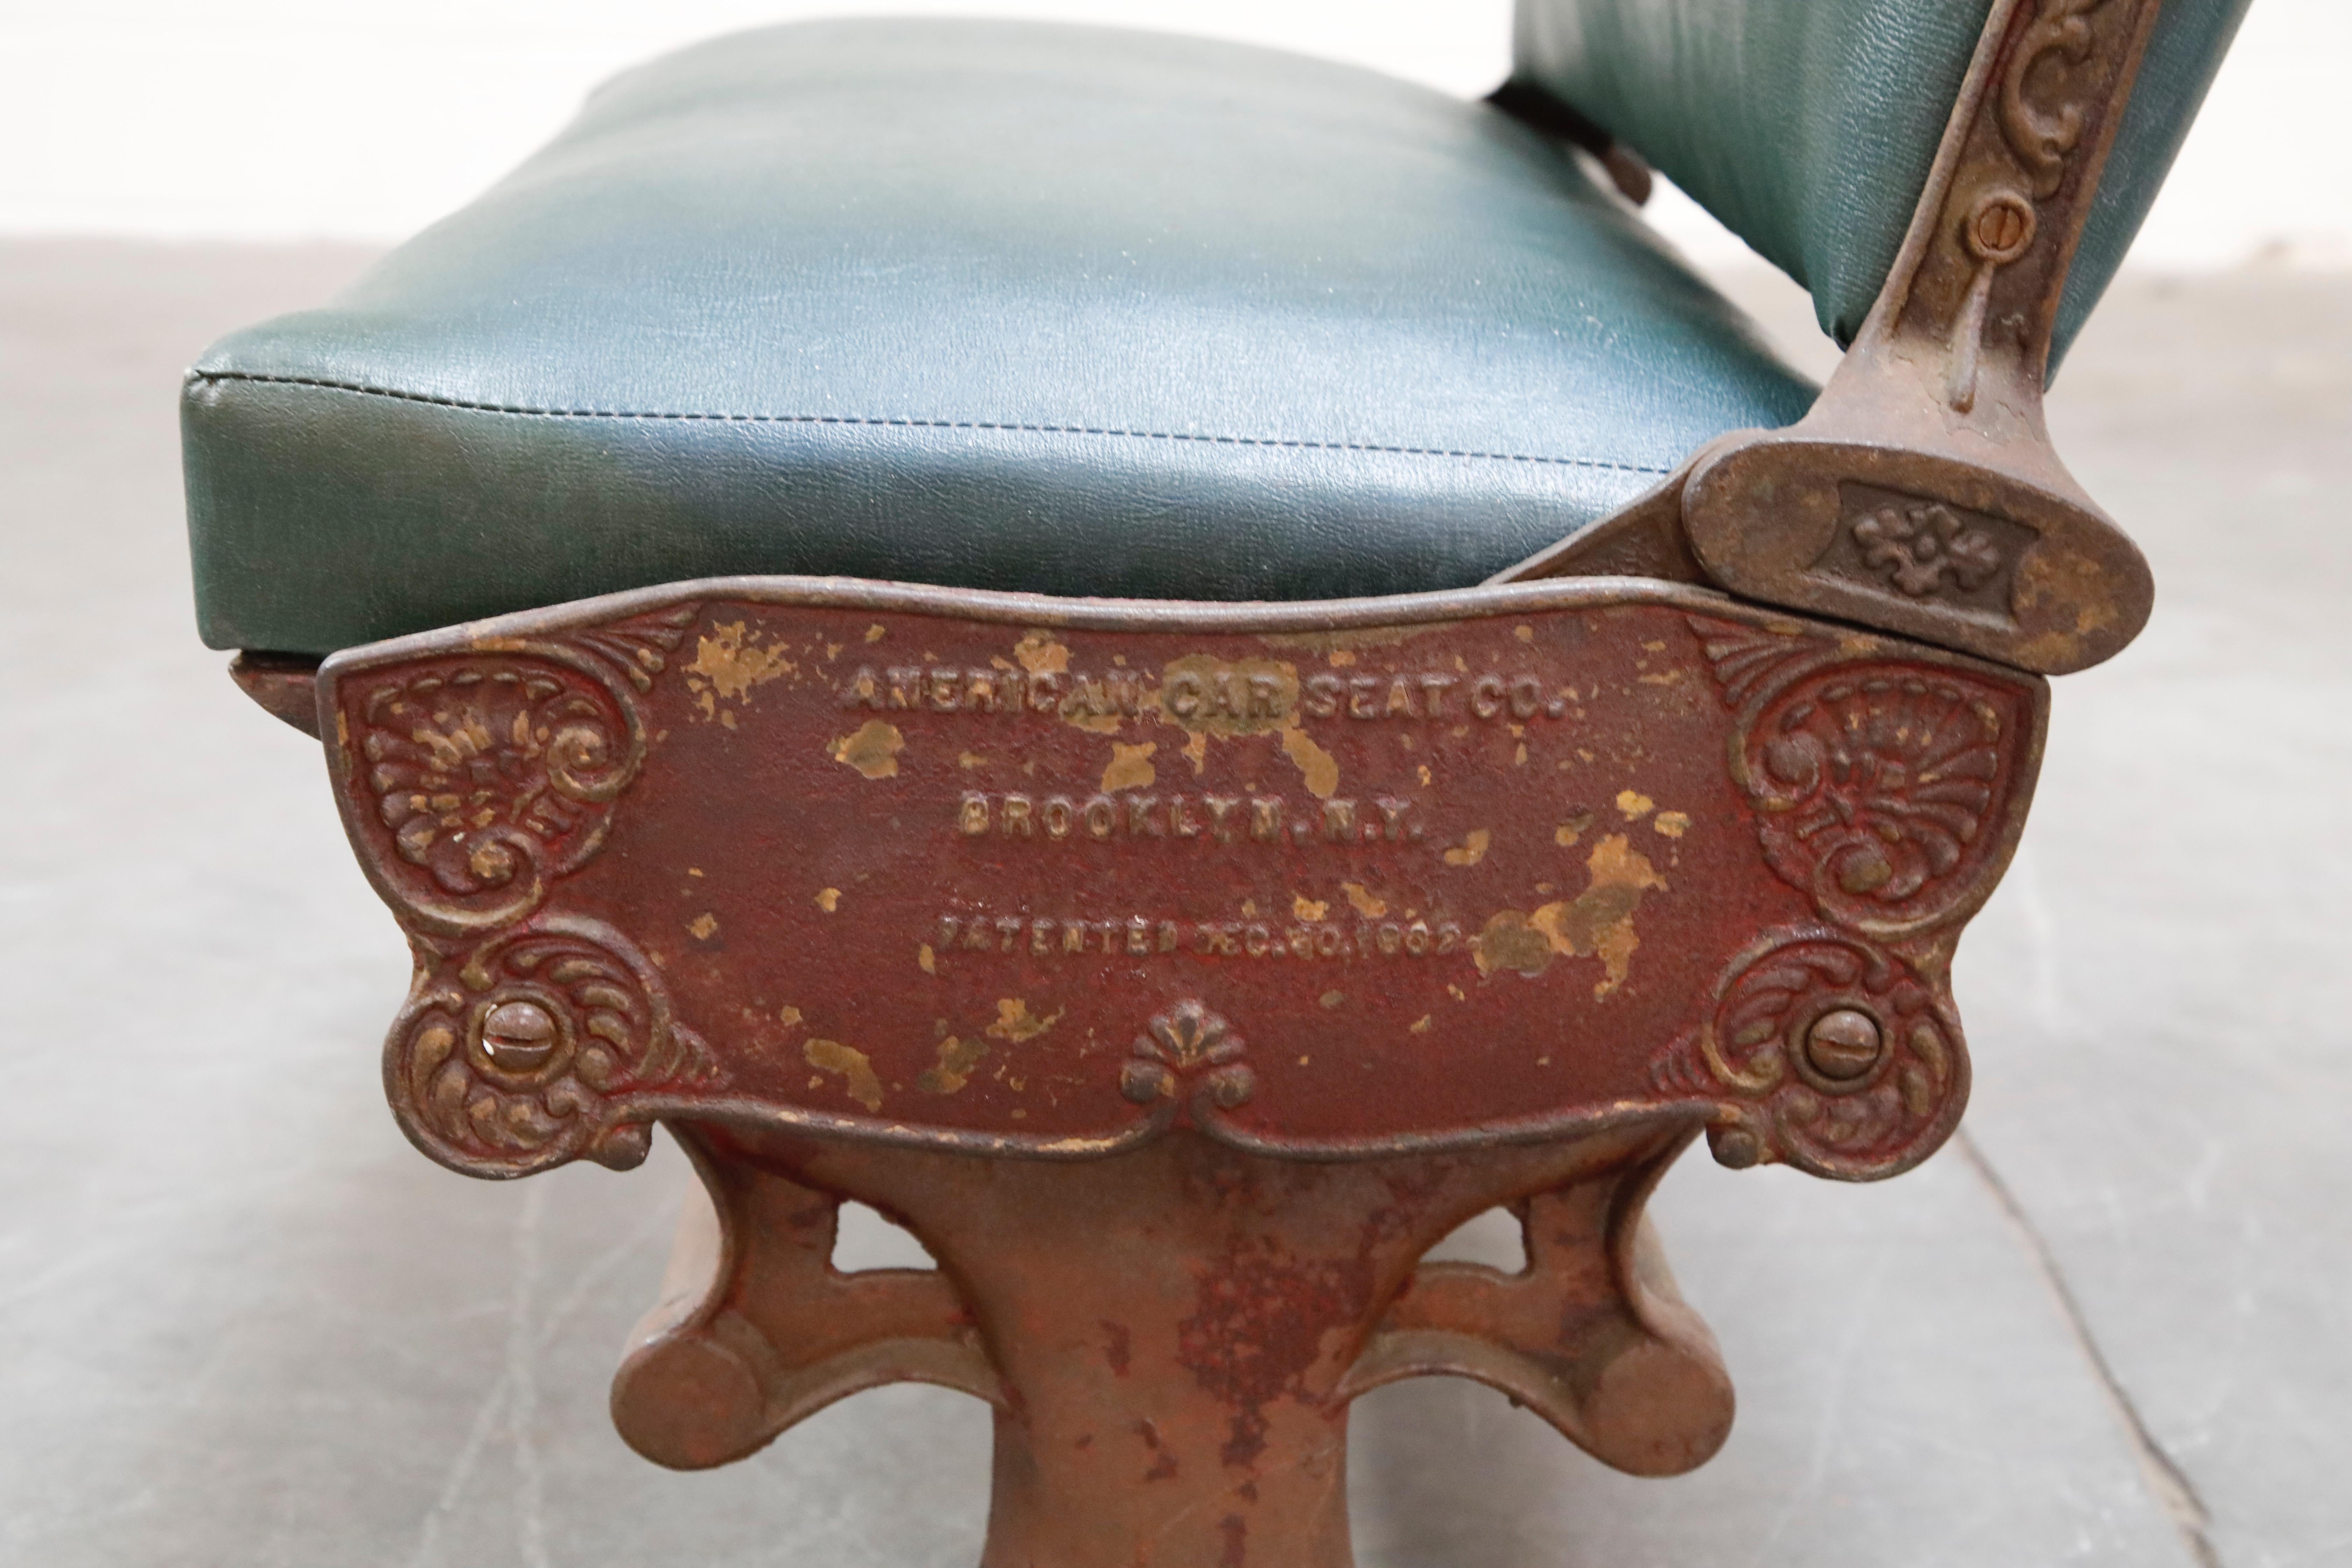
(986,304)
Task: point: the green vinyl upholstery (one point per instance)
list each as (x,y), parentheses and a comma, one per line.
(985,304)
(1809,126)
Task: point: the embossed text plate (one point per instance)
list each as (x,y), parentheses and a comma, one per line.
(1022,873)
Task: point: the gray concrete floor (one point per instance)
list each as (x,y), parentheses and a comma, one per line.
(244,1324)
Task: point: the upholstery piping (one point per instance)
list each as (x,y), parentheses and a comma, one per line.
(523,411)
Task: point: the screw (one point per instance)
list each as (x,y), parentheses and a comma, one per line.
(2000,226)
(518,1036)
(1845,1044)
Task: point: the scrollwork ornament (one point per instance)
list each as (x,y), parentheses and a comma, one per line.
(1881,788)
(541,1044)
(1828,1053)
(2042,137)
(482,777)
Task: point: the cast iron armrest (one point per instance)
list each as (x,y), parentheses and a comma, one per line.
(1921,494)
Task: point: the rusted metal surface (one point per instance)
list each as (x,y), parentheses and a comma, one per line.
(1179,973)
(1171,1337)
(1921,494)
(1050,878)
(285,686)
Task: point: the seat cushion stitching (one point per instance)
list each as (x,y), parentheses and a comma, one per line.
(524,411)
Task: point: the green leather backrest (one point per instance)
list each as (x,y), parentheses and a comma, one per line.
(1808,126)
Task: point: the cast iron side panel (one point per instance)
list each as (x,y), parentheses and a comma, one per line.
(1050,876)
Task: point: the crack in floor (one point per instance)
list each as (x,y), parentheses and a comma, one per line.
(2166,1482)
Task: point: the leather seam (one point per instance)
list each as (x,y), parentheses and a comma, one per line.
(523,411)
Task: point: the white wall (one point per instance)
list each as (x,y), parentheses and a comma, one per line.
(293,119)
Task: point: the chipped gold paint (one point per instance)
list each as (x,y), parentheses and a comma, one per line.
(828,899)
(788,1016)
(1332,998)
(971,760)
(1130,767)
(856,1070)
(926,959)
(1015,1023)
(1419,1026)
(1306,909)
(1474,847)
(957,1060)
(1367,905)
(728,664)
(875,632)
(704,926)
(1318,767)
(1569,832)
(1040,652)
(1672,823)
(1599,922)
(1634,805)
(872,750)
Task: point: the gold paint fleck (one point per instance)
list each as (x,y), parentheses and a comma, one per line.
(1473,850)
(1304,1060)
(1419,1026)
(1424,771)
(1519,757)
(1129,768)
(957,1060)
(875,633)
(1634,805)
(971,760)
(1339,657)
(856,1070)
(872,750)
(788,1016)
(694,870)
(728,664)
(704,926)
(1569,832)
(1665,677)
(1524,633)
(1015,1023)
(1368,906)
(1196,752)
(1318,767)
(1599,922)
(828,899)
(926,959)
(1672,823)
(1332,998)
(1249,908)
(1457,992)
(1040,655)
(726,718)
(1308,908)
